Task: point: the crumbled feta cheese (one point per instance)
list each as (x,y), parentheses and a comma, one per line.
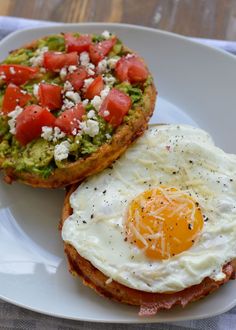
(109,80)
(96,102)
(102,66)
(105,92)
(2,76)
(85,102)
(63,73)
(84,58)
(108,136)
(42,70)
(91,114)
(130,55)
(90,69)
(52,134)
(37,60)
(13,115)
(67,86)
(74,132)
(106,34)
(87,83)
(58,134)
(12,70)
(72,68)
(36,90)
(62,150)
(23,91)
(112,62)
(73,96)
(47,133)
(67,104)
(90,127)
(106,113)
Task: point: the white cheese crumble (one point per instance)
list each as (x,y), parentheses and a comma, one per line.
(37,60)
(85,61)
(108,136)
(112,62)
(90,127)
(63,73)
(102,66)
(106,113)
(2,76)
(105,92)
(67,86)
(36,90)
(91,114)
(109,80)
(90,69)
(84,58)
(87,83)
(52,134)
(72,68)
(130,55)
(73,96)
(85,102)
(106,34)
(67,104)
(12,70)
(13,115)
(62,150)
(96,102)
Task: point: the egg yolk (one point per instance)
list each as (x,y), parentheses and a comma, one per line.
(163,222)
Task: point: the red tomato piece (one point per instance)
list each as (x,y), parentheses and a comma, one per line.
(115,107)
(131,69)
(17,74)
(94,88)
(14,96)
(54,61)
(70,118)
(77,78)
(77,44)
(50,96)
(30,121)
(98,51)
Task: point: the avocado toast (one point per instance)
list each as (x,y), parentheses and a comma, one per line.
(70,105)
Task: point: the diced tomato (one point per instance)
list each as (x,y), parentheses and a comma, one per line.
(77,44)
(30,121)
(17,74)
(50,96)
(97,51)
(94,88)
(70,118)
(77,78)
(115,107)
(131,69)
(54,61)
(14,96)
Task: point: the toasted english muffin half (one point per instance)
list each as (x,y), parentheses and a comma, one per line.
(148,302)
(70,105)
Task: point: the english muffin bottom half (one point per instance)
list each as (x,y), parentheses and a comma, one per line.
(158,228)
(71,104)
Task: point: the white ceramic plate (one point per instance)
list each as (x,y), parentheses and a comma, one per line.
(196,85)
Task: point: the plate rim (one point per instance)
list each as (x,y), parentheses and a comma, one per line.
(125,26)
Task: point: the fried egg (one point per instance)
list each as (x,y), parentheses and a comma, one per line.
(163,218)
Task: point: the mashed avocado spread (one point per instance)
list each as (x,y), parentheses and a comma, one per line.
(102,66)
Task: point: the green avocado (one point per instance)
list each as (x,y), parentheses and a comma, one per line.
(38,155)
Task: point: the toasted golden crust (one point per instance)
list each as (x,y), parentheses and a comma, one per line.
(96,280)
(125,134)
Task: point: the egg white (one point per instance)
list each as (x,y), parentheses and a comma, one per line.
(172,155)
